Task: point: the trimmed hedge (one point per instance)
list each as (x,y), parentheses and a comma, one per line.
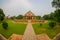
(4,25)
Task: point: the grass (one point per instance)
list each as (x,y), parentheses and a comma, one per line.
(51,32)
(12,28)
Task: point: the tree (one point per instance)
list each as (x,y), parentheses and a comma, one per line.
(56,3)
(46,17)
(5,25)
(2,15)
(38,17)
(57,15)
(51,16)
(12,17)
(52,24)
(19,17)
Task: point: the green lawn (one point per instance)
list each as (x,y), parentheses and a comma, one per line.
(12,28)
(51,32)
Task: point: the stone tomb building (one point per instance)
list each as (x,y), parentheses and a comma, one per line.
(29,16)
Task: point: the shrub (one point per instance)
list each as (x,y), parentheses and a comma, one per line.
(52,24)
(5,25)
(41,24)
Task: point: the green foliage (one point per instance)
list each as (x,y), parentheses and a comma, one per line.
(46,17)
(41,24)
(51,16)
(12,17)
(52,24)
(56,3)
(38,17)
(5,25)
(2,15)
(57,15)
(19,17)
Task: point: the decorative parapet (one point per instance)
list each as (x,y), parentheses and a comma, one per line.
(57,37)
(2,37)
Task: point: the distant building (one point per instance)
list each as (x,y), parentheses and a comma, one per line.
(6,17)
(29,16)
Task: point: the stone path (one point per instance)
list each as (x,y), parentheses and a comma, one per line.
(29,33)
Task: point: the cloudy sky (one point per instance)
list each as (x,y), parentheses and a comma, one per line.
(16,7)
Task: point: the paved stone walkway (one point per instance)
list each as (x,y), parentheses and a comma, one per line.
(29,33)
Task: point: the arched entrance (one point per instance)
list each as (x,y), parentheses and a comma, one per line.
(29,18)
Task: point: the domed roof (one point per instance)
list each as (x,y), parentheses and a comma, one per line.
(29,13)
